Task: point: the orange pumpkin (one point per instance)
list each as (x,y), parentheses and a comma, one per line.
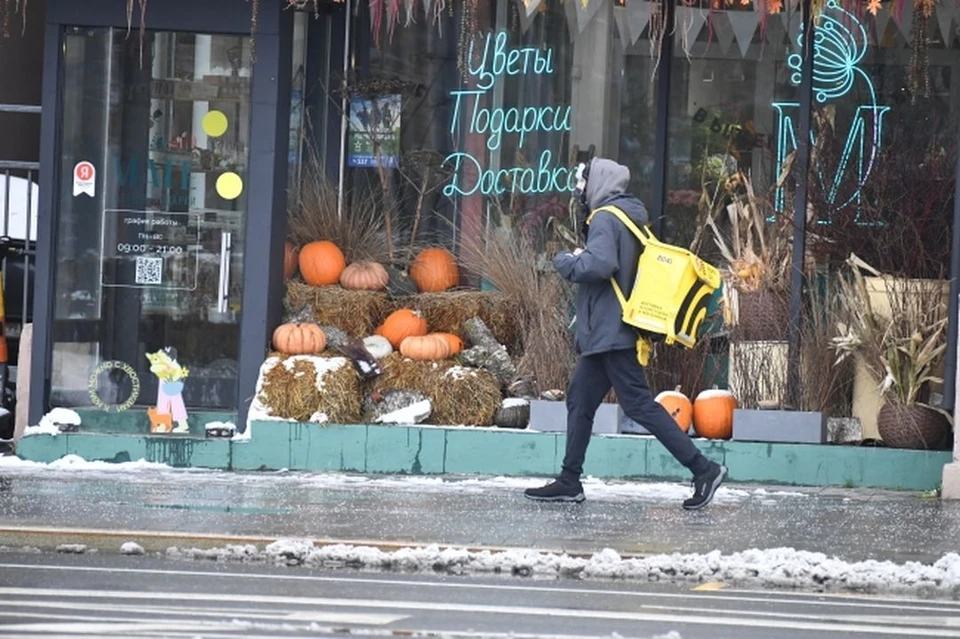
(364,276)
(679,407)
(434,270)
(321,263)
(299,339)
(425,348)
(401,324)
(291,255)
(713,414)
(456,344)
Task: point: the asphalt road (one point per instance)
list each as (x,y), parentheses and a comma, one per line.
(44,595)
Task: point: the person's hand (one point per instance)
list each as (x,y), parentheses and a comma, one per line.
(577,251)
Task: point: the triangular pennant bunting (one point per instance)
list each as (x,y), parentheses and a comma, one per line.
(776,33)
(880,21)
(571,13)
(722,31)
(905,23)
(586,10)
(528,13)
(622,21)
(744,24)
(638,16)
(691,22)
(792,24)
(945,18)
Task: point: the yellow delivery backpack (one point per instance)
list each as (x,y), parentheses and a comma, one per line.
(671,292)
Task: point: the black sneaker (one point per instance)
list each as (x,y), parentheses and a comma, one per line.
(704,487)
(557,491)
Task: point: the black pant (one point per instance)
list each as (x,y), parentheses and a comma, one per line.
(591,382)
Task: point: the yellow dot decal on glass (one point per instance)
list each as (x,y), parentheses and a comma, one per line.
(215,124)
(229,186)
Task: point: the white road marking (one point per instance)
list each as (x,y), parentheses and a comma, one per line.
(684,618)
(373,619)
(794,598)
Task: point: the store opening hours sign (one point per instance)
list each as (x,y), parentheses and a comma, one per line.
(475,114)
(150,249)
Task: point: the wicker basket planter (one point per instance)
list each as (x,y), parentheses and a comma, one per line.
(913,426)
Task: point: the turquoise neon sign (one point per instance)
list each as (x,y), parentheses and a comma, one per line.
(472,116)
(839,45)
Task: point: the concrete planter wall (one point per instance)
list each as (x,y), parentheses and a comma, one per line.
(551,417)
(784,426)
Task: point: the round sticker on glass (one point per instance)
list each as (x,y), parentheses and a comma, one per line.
(215,124)
(229,186)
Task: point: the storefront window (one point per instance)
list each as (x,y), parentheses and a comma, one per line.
(488,108)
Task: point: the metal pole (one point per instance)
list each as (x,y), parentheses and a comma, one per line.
(344,106)
(802,164)
(661,148)
(950,366)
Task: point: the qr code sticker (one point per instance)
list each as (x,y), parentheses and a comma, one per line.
(149,270)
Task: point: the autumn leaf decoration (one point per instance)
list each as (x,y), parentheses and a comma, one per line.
(873,6)
(775,6)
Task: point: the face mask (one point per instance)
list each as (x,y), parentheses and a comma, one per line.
(578,200)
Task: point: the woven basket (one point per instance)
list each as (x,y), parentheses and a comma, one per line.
(764,315)
(913,426)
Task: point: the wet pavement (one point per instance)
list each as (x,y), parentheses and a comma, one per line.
(630,517)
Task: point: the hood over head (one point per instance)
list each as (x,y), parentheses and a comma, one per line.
(606,180)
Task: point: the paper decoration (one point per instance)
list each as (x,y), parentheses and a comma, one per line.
(792,24)
(170,407)
(905,23)
(214,124)
(570,11)
(586,10)
(638,17)
(622,20)
(229,185)
(690,21)
(743,24)
(945,20)
(881,20)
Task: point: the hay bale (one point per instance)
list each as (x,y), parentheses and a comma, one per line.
(446,312)
(356,312)
(458,394)
(309,388)
(397,407)
(467,396)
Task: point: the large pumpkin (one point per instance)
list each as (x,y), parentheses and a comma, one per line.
(299,339)
(679,407)
(456,344)
(434,270)
(321,263)
(425,348)
(291,255)
(364,276)
(713,414)
(401,324)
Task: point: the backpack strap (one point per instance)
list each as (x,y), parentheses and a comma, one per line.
(642,233)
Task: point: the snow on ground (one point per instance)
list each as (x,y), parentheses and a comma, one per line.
(776,567)
(597,489)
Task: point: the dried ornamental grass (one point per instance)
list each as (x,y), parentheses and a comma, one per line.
(306,388)
(356,312)
(446,312)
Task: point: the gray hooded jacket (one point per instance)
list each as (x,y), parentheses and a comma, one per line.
(611,250)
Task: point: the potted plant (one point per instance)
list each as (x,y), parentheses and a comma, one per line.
(902,350)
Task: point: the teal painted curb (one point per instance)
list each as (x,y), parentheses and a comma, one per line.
(427,450)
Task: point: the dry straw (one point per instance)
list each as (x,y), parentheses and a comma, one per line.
(291,390)
(358,313)
(446,312)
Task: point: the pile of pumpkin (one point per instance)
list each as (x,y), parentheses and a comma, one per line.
(322,263)
(710,414)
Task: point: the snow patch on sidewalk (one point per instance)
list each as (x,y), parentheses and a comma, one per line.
(777,568)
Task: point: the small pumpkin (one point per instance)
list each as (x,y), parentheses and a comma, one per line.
(434,270)
(299,339)
(425,347)
(400,324)
(321,263)
(456,344)
(378,346)
(291,256)
(713,413)
(679,407)
(364,276)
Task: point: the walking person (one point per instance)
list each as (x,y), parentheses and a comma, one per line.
(608,347)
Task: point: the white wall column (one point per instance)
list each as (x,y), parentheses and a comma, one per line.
(951,472)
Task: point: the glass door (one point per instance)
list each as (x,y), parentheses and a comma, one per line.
(150,224)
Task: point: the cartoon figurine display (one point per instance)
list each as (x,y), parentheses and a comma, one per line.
(170,407)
